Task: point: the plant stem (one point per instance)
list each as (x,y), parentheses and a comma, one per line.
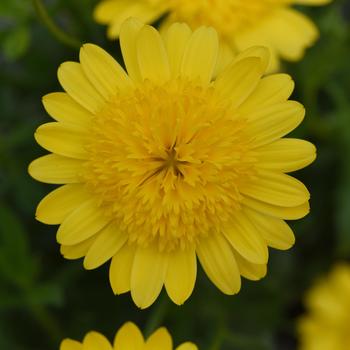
(52,27)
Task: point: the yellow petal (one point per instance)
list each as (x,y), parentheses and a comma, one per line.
(142,10)
(277,189)
(120,269)
(276,232)
(181,276)
(271,90)
(253,272)
(239,80)
(286,155)
(55,169)
(147,275)
(96,341)
(81,224)
(187,346)
(152,56)
(176,41)
(107,10)
(63,108)
(59,203)
(64,139)
(72,78)
(291,33)
(129,337)
(128,37)
(246,239)
(273,122)
(69,344)
(217,259)
(159,340)
(293,213)
(77,251)
(260,52)
(201,55)
(103,71)
(106,245)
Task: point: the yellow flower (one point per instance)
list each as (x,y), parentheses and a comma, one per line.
(128,337)
(165,164)
(326,324)
(240,23)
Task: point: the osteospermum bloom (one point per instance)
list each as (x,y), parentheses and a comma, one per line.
(326,323)
(240,23)
(128,337)
(164,164)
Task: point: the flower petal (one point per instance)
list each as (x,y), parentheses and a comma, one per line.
(96,341)
(103,71)
(64,139)
(187,346)
(152,56)
(69,344)
(217,259)
(147,275)
(181,275)
(77,251)
(159,340)
(253,272)
(276,232)
(291,33)
(201,55)
(59,203)
(120,269)
(273,122)
(239,80)
(55,169)
(82,223)
(293,213)
(128,38)
(260,52)
(128,337)
(286,155)
(271,90)
(106,245)
(63,108)
(72,78)
(176,40)
(277,189)
(246,239)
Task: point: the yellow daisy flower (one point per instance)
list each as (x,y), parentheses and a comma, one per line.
(326,324)
(164,164)
(240,23)
(128,337)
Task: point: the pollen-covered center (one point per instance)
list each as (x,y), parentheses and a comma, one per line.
(167,162)
(227,16)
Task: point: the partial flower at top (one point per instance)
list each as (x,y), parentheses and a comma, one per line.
(239,23)
(164,164)
(326,323)
(128,337)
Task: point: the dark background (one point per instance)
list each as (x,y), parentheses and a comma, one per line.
(44,298)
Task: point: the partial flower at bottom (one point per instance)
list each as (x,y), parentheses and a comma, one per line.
(128,337)
(239,23)
(326,323)
(164,163)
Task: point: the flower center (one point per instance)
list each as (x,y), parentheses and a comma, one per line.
(167,162)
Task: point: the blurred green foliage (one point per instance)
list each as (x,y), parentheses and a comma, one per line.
(44,298)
